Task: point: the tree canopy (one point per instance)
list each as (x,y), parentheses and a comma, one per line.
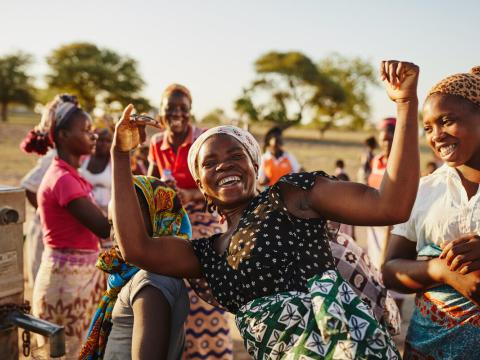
(99,77)
(354,76)
(289,87)
(15,83)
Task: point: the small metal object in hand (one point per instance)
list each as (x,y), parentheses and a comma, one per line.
(136,117)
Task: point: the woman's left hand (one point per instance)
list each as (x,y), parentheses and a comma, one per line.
(463,254)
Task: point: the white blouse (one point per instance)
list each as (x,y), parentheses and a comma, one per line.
(101,182)
(442,210)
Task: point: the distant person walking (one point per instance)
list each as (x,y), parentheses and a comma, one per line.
(366,160)
(340,170)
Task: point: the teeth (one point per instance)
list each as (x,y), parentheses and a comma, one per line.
(447,150)
(228,179)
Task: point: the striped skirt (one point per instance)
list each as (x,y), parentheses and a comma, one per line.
(207,331)
(67,290)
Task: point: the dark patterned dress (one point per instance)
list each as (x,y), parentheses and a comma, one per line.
(278,277)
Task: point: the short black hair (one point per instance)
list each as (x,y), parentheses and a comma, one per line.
(371,142)
(271,133)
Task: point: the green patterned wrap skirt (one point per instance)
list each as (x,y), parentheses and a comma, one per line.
(328,322)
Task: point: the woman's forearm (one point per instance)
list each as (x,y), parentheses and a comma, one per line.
(127,219)
(408,276)
(400,182)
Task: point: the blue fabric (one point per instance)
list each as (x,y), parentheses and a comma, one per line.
(444,325)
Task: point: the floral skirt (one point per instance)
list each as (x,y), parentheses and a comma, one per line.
(328,322)
(67,290)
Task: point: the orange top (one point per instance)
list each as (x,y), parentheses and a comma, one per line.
(273,169)
(378,166)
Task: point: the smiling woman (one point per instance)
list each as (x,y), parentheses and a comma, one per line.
(445,324)
(273,267)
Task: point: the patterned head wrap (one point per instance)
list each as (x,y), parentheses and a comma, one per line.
(168,218)
(242,136)
(166,212)
(466,85)
(62,109)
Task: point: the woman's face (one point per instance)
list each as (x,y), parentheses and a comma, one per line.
(227,174)
(104,142)
(176,113)
(79,138)
(452,128)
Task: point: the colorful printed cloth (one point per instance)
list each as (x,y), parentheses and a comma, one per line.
(328,322)
(168,218)
(444,325)
(66,292)
(355,266)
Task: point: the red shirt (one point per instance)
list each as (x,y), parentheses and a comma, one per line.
(61,230)
(378,166)
(165,158)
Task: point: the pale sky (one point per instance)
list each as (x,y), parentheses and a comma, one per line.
(210,46)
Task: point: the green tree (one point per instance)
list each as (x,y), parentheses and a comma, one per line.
(15,83)
(99,77)
(215,117)
(285,89)
(354,76)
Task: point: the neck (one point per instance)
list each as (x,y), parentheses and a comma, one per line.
(175,139)
(72,160)
(469,173)
(277,153)
(234,213)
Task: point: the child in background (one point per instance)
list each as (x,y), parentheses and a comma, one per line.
(340,170)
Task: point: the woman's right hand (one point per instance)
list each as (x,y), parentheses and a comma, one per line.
(468,285)
(130,133)
(400,79)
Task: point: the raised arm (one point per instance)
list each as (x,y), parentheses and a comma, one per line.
(358,204)
(167,255)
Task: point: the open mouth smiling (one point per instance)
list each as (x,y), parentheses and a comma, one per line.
(229,180)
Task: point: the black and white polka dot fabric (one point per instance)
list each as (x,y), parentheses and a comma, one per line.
(271,251)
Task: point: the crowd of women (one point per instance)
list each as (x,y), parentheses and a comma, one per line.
(149,265)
